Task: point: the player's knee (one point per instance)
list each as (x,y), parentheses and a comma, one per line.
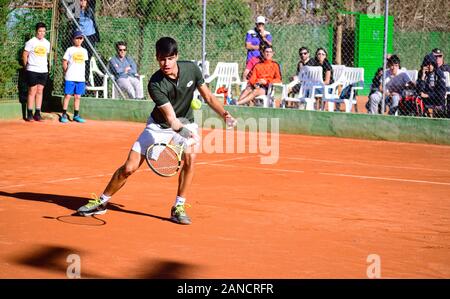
(127,170)
(189,160)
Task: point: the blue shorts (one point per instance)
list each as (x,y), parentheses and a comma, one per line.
(72,87)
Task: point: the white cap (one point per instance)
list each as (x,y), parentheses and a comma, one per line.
(260,19)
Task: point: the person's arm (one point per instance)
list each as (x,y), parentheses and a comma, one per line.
(118,69)
(327,77)
(250,46)
(133,66)
(171,118)
(25,57)
(65,65)
(212,101)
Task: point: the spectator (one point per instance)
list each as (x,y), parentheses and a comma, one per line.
(327,70)
(303,52)
(431,84)
(376,86)
(35,57)
(396,82)
(74,66)
(256,37)
(125,72)
(263,74)
(88,26)
(440,60)
(252,62)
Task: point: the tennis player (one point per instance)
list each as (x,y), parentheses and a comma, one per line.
(171,88)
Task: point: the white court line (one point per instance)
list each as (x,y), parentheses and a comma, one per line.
(366,164)
(258,168)
(110,174)
(336,174)
(384,178)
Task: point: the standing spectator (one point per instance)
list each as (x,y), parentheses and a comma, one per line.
(396,82)
(430,84)
(89,29)
(35,58)
(74,66)
(256,37)
(252,62)
(263,74)
(125,72)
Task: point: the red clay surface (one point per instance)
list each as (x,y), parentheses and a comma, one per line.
(319,212)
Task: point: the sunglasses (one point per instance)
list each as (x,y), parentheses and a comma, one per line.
(322,54)
(439,55)
(304,53)
(79,37)
(122,50)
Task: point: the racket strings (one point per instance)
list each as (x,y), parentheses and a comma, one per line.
(164,160)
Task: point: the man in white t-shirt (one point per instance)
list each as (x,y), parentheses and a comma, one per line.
(396,82)
(34,58)
(75,82)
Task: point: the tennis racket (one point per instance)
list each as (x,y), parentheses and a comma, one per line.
(165,159)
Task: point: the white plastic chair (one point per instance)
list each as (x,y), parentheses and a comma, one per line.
(353,76)
(269,100)
(310,78)
(338,71)
(225,74)
(95,70)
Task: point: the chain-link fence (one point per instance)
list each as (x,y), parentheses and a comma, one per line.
(351,32)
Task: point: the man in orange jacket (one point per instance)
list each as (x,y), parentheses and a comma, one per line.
(263,74)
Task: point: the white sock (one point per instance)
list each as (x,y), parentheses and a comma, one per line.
(104,198)
(180,201)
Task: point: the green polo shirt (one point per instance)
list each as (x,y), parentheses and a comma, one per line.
(179,92)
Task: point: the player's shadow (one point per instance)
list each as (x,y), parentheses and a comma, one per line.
(72,202)
(164,269)
(52,258)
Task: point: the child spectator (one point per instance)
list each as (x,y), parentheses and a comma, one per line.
(74,66)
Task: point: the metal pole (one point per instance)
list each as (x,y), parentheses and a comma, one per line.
(55,14)
(386,23)
(71,16)
(204,40)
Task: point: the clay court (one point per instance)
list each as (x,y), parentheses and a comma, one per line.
(319,212)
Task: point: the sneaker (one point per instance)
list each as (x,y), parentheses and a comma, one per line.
(29,118)
(178,215)
(37,117)
(64,119)
(78,119)
(94,207)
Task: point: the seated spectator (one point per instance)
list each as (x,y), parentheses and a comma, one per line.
(327,69)
(303,52)
(125,72)
(430,84)
(376,86)
(263,74)
(396,82)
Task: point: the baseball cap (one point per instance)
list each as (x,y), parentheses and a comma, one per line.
(260,19)
(437,51)
(77,34)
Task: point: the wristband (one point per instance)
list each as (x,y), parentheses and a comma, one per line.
(184,132)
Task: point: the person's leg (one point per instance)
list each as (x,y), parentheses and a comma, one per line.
(395,99)
(137,87)
(125,85)
(31,101)
(39,95)
(252,95)
(78,92)
(64,118)
(374,101)
(118,180)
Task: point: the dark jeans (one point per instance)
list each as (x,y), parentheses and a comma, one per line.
(90,53)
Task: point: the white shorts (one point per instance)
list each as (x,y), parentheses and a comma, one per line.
(153,133)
